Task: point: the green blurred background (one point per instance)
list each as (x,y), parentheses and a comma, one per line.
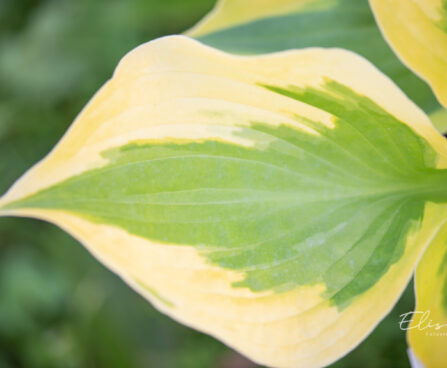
(58,306)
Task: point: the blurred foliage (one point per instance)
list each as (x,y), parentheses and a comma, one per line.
(58,306)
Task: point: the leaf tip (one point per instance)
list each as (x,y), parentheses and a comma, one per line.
(4,206)
(9,206)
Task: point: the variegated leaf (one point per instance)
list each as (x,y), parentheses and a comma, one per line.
(277,202)
(417,31)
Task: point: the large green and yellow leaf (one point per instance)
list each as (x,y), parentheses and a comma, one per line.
(277,202)
(417,31)
(427,334)
(262,26)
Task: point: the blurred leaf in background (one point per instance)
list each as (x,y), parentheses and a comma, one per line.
(59,307)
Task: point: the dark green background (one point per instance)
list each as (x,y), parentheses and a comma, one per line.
(58,306)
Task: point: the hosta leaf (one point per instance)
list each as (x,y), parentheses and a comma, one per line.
(255,27)
(417,31)
(230,13)
(277,202)
(427,335)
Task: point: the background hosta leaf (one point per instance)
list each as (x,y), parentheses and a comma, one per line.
(277,202)
(417,31)
(271,25)
(227,13)
(428,332)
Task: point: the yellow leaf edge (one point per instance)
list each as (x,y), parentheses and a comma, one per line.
(423,336)
(416,40)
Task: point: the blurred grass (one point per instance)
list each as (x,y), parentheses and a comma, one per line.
(58,306)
